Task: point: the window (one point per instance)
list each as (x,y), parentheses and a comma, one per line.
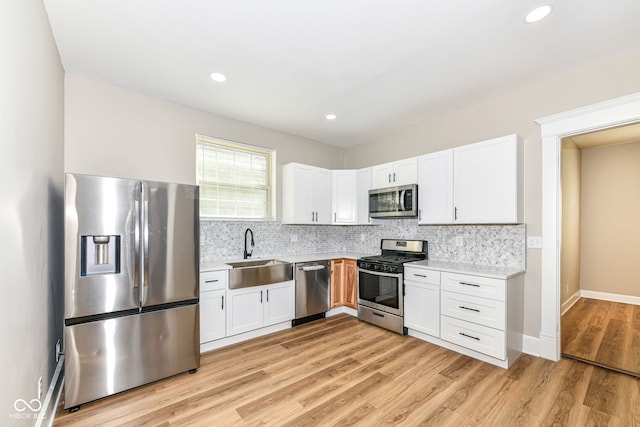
(236,180)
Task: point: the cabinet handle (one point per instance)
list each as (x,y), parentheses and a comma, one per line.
(316,216)
(470,309)
(419,214)
(260,297)
(211,281)
(394,177)
(455,214)
(267,295)
(311,216)
(335,217)
(469,336)
(389,177)
(420,275)
(469,284)
(222,302)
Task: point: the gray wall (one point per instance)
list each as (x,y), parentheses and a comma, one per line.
(31,227)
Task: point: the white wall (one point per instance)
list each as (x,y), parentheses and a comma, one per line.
(513,112)
(571,164)
(116,132)
(31,213)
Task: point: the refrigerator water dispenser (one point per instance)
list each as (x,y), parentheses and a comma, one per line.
(100,255)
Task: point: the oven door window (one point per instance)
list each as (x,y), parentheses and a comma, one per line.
(382,290)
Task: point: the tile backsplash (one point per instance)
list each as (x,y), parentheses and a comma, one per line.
(497,245)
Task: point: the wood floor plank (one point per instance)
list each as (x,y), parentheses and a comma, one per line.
(340,371)
(604,333)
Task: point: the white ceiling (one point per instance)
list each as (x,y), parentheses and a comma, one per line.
(380,65)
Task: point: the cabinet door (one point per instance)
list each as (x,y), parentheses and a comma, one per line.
(344,196)
(336,282)
(244,310)
(435,188)
(350,283)
(212,316)
(321,196)
(364,185)
(405,171)
(382,176)
(486,182)
(422,308)
(298,182)
(279,304)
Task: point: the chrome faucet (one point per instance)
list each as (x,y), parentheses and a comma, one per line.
(248,254)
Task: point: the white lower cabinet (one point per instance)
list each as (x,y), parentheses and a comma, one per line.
(259,306)
(212,316)
(483,314)
(422,300)
(212,305)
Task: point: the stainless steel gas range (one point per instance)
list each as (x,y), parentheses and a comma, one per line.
(380,283)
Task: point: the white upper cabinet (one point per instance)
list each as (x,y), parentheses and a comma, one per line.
(487,183)
(364,185)
(306,194)
(435,188)
(344,196)
(401,172)
(478,183)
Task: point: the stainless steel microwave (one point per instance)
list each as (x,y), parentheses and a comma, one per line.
(394,202)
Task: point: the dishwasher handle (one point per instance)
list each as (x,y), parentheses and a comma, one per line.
(311,267)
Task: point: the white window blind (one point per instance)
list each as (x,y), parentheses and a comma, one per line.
(235,179)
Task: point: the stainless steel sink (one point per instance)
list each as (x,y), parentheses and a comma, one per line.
(259,272)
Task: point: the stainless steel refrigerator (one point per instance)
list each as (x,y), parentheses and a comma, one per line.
(131,284)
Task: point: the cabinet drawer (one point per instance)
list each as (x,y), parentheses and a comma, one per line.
(475,337)
(484,287)
(482,311)
(212,280)
(421,275)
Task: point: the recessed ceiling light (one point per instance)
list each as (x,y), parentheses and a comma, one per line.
(218,77)
(537,14)
(331,116)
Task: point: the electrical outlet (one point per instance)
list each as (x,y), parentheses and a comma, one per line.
(294,238)
(534,242)
(40,384)
(362,237)
(459,241)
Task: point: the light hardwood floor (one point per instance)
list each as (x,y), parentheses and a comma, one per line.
(340,371)
(603,332)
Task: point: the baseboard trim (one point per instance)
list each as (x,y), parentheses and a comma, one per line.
(605,296)
(342,309)
(531,345)
(52,399)
(570,302)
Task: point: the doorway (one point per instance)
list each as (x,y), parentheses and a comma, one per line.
(616,112)
(600,205)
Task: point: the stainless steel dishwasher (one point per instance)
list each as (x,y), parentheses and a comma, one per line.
(313,281)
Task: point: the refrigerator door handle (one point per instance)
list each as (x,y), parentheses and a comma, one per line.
(136,243)
(144,248)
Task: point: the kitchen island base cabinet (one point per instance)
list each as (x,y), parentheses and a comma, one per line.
(260,306)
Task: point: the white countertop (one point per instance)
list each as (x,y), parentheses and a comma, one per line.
(221,265)
(473,269)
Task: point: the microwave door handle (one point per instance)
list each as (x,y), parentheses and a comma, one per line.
(402,196)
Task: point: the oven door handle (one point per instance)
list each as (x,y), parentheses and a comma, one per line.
(379,273)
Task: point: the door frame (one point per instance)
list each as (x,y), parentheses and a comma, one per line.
(612,113)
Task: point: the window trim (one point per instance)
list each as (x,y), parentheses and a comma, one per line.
(271,174)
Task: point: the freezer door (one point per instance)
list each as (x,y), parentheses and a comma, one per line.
(101,250)
(171,258)
(110,356)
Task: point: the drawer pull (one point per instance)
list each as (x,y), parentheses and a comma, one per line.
(211,281)
(420,275)
(469,336)
(468,308)
(469,284)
